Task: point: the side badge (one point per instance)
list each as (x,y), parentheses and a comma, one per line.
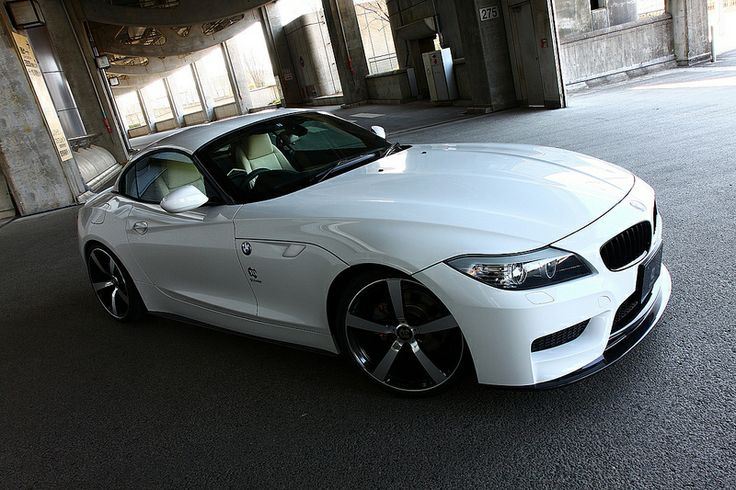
(247,249)
(253,275)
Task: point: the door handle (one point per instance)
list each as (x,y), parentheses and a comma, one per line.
(140,227)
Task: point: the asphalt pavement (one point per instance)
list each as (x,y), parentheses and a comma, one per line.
(87,402)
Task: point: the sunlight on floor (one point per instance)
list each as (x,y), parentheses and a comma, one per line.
(709,83)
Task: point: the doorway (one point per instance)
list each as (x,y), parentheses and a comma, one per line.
(529,80)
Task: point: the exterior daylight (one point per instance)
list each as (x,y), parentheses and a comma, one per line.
(540,266)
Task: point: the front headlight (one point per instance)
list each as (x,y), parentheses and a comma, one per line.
(525,271)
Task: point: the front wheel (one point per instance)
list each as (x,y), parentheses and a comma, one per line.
(400,334)
(113,286)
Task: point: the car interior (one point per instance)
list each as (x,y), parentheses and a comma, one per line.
(156,176)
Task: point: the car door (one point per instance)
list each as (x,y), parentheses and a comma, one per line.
(188,256)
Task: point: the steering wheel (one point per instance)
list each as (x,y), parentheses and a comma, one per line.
(249,178)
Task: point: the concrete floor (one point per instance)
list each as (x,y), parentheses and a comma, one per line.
(88,402)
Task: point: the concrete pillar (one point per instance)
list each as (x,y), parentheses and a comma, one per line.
(278,50)
(238,76)
(150,121)
(396,21)
(347,45)
(87,82)
(203,99)
(487,62)
(28,155)
(690,30)
(176,111)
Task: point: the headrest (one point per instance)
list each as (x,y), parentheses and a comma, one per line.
(179,174)
(257,146)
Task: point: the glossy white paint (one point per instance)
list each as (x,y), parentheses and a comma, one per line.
(187,198)
(451,199)
(266,268)
(500,326)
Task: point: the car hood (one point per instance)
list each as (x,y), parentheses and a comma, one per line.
(453,200)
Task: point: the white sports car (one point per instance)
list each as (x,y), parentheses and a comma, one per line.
(539,266)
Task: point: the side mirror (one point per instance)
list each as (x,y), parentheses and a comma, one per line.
(183,199)
(379,131)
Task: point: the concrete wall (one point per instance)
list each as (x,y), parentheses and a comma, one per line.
(389,88)
(575,16)
(616,51)
(225,111)
(140,131)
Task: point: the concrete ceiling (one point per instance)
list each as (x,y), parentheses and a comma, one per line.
(163,35)
(165,13)
(157,66)
(156,41)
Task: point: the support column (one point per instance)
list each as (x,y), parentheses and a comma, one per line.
(28,155)
(347,45)
(88,83)
(150,122)
(690,30)
(396,21)
(278,51)
(176,111)
(238,77)
(206,105)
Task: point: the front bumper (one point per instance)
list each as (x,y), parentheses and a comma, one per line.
(630,335)
(500,326)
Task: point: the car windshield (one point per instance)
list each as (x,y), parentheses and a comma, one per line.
(288,153)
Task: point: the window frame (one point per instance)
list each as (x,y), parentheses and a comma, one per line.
(221,198)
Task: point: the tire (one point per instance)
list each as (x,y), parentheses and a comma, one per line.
(113,286)
(399,334)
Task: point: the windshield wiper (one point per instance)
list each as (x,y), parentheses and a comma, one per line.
(392,149)
(343,163)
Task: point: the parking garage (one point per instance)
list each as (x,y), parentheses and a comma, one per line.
(86,84)
(86,79)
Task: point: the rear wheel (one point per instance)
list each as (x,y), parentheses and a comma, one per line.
(113,286)
(400,334)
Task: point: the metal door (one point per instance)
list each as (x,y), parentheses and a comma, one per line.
(191,256)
